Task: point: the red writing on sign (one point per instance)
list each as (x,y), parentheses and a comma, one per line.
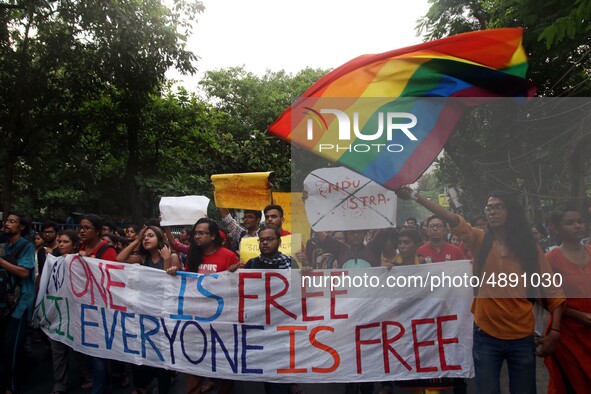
(89,283)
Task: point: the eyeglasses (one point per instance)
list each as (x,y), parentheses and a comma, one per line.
(435,226)
(494,207)
(11,221)
(49,232)
(86,228)
(201,233)
(267,240)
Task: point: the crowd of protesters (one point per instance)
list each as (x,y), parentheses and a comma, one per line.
(501,241)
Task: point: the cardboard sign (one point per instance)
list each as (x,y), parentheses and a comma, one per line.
(290,245)
(182,210)
(340,199)
(246,191)
(294,213)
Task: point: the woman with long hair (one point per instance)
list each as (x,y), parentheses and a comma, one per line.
(570,365)
(39,244)
(152,251)
(503,317)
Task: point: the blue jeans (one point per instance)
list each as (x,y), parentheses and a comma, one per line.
(490,352)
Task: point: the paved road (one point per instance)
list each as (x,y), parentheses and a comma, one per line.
(39,380)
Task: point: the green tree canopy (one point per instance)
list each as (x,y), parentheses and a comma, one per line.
(481,155)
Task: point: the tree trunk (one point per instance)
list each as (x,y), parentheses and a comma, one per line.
(131,168)
(8,182)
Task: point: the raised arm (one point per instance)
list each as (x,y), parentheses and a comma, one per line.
(125,255)
(407,193)
(234,229)
(176,245)
(169,235)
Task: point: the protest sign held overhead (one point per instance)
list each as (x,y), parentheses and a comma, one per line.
(242,191)
(182,210)
(294,213)
(341,199)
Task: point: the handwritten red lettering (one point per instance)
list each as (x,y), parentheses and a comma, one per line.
(335,355)
(306,295)
(418,344)
(112,283)
(445,341)
(359,342)
(270,299)
(242,276)
(292,364)
(386,342)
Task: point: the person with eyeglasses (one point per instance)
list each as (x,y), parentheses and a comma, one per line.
(437,250)
(271,258)
(503,315)
(17,262)
(206,255)
(92,245)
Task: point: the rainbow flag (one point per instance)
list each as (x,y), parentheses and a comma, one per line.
(387,116)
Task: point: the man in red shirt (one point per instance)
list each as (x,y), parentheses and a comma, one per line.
(274,218)
(206,256)
(437,249)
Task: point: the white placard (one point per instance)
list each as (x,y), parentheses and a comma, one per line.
(341,199)
(182,210)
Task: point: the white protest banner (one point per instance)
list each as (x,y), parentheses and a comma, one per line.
(182,210)
(262,324)
(341,199)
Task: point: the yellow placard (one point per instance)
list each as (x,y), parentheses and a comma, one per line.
(249,247)
(245,191)
(444,200)
(294,213)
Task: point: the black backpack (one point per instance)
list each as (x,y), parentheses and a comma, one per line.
(10,284)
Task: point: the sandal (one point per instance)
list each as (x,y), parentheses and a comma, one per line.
(86,385)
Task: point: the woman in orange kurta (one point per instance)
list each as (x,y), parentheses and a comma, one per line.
(570,365)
